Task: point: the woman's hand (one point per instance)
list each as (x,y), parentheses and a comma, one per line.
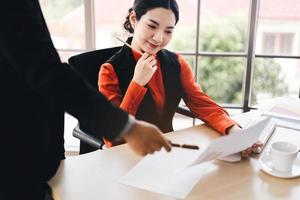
(144,69)
(248,151)
(233,129)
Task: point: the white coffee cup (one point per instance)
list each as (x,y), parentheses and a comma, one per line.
(283,156)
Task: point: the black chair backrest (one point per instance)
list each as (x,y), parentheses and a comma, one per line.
(88,63)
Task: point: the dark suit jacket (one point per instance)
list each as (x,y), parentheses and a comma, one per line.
(36,89)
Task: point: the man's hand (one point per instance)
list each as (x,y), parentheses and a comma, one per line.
(144,138)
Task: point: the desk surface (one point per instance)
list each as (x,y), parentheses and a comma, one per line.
(94,175)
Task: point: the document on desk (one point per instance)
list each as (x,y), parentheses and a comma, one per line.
(233,143)
(176,173)
(167,173)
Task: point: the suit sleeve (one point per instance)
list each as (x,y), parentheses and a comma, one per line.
(26,44)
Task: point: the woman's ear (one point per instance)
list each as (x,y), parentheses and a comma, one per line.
(132,19)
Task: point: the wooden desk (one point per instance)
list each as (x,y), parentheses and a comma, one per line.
(94,176)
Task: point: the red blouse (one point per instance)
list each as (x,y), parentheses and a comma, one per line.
(201,105)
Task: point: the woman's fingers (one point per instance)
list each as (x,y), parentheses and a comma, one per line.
(144,69)
(247,152)
(145,56)
(154,68)
(250,150)
(150,60)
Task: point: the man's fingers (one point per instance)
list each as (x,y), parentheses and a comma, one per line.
(167,145)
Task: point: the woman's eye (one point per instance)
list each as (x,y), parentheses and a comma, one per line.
(169,32)
(151,26)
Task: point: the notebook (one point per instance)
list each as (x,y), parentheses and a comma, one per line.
(266,133)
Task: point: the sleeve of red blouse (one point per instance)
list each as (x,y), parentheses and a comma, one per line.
(200,104)
(108,85)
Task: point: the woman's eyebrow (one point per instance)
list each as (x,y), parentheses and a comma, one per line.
(156,23)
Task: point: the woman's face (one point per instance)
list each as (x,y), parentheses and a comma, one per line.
(153,31)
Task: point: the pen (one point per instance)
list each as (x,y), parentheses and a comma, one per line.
(186,146)
(128,45)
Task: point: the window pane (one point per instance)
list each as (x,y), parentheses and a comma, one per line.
(184,35)
(233,112)
(71,143)
(222,78)
(268,43)
(274,77)
(278,27)
(65,20)
(109,20)
(191,61)
(223,25)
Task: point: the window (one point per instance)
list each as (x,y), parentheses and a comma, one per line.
(227,49)
(217,32)
(277,52)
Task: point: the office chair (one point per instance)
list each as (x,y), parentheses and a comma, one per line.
(88,64)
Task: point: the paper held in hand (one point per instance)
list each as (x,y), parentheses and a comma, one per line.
(233,143)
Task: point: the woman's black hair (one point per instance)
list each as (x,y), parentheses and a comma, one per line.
(142,6)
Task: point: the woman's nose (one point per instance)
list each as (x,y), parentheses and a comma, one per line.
(158,37)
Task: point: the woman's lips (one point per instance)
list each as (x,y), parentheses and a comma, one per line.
(153,45)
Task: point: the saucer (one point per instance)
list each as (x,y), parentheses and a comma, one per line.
(267,167)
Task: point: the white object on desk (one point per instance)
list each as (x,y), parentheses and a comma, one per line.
(287,106)
(267,167)
(232,158)
(284,120)
(263,139)
(266,133)
(233,143)
(286,111)
(283,155)
(166,173)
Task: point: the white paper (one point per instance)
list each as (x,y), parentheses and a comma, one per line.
(233,143)
(167,173)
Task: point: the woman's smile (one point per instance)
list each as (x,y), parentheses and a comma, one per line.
(153,46)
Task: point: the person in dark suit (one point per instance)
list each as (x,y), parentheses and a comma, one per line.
(36,89)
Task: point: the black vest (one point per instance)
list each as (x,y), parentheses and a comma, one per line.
(123,63)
